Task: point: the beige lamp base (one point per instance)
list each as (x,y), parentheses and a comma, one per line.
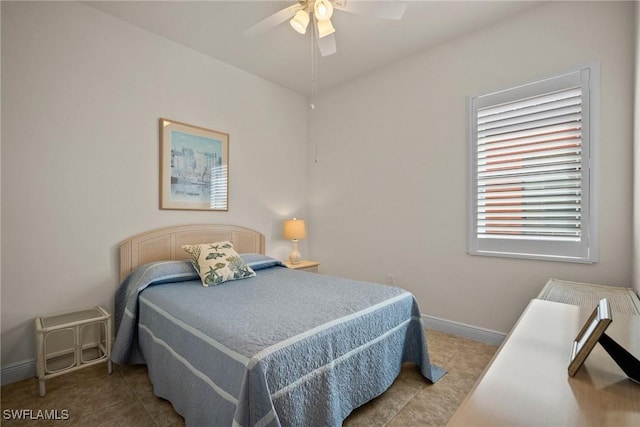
(294,256)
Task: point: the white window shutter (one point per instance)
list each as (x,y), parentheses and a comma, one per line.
(530,162)
(219,187)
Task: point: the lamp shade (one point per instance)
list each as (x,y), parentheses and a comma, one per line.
(323,9)
(325,28)
(294,229)
(300,21)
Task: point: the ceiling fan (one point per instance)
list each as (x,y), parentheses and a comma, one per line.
(319,12)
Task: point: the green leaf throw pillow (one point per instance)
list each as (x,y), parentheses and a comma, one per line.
(217,262)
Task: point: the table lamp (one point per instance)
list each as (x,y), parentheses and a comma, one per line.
(294,230)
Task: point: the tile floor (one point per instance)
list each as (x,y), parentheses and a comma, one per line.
(91,397)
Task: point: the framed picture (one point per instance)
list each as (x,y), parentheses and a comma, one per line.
(194,167)
(589,335)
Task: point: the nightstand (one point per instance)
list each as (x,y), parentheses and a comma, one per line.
(70,341)
(310,266)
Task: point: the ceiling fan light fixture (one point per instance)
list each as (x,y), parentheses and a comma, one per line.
(325,28)
(300,21)
(323,10)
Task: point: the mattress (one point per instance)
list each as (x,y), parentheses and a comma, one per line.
(285,347)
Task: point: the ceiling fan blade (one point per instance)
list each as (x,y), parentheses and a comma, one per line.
(327,45)
(378,9)
(273,21)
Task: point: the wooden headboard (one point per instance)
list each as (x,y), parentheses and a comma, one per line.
(166,243)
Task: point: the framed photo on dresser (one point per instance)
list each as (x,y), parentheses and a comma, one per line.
(589,335)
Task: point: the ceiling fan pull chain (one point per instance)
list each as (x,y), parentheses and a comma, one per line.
(314,86)
(314,83)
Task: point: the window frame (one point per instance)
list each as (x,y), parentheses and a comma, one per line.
(587,250)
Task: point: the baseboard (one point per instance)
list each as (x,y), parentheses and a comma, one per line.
(18,371)
(471,332)
(27,368)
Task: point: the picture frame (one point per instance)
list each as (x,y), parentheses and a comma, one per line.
(589,335)
(194,167)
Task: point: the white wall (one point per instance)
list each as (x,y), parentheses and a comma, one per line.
(388,195)
(82,93)
(636,161)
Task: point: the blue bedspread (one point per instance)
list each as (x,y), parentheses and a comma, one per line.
(284,347)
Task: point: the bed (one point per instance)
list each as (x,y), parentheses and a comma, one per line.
(279,348)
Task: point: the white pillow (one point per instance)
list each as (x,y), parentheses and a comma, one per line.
(217,262)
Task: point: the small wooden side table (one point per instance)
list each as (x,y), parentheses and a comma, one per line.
(311,266)
(70,341)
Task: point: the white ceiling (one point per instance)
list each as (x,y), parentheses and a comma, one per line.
(282,56)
